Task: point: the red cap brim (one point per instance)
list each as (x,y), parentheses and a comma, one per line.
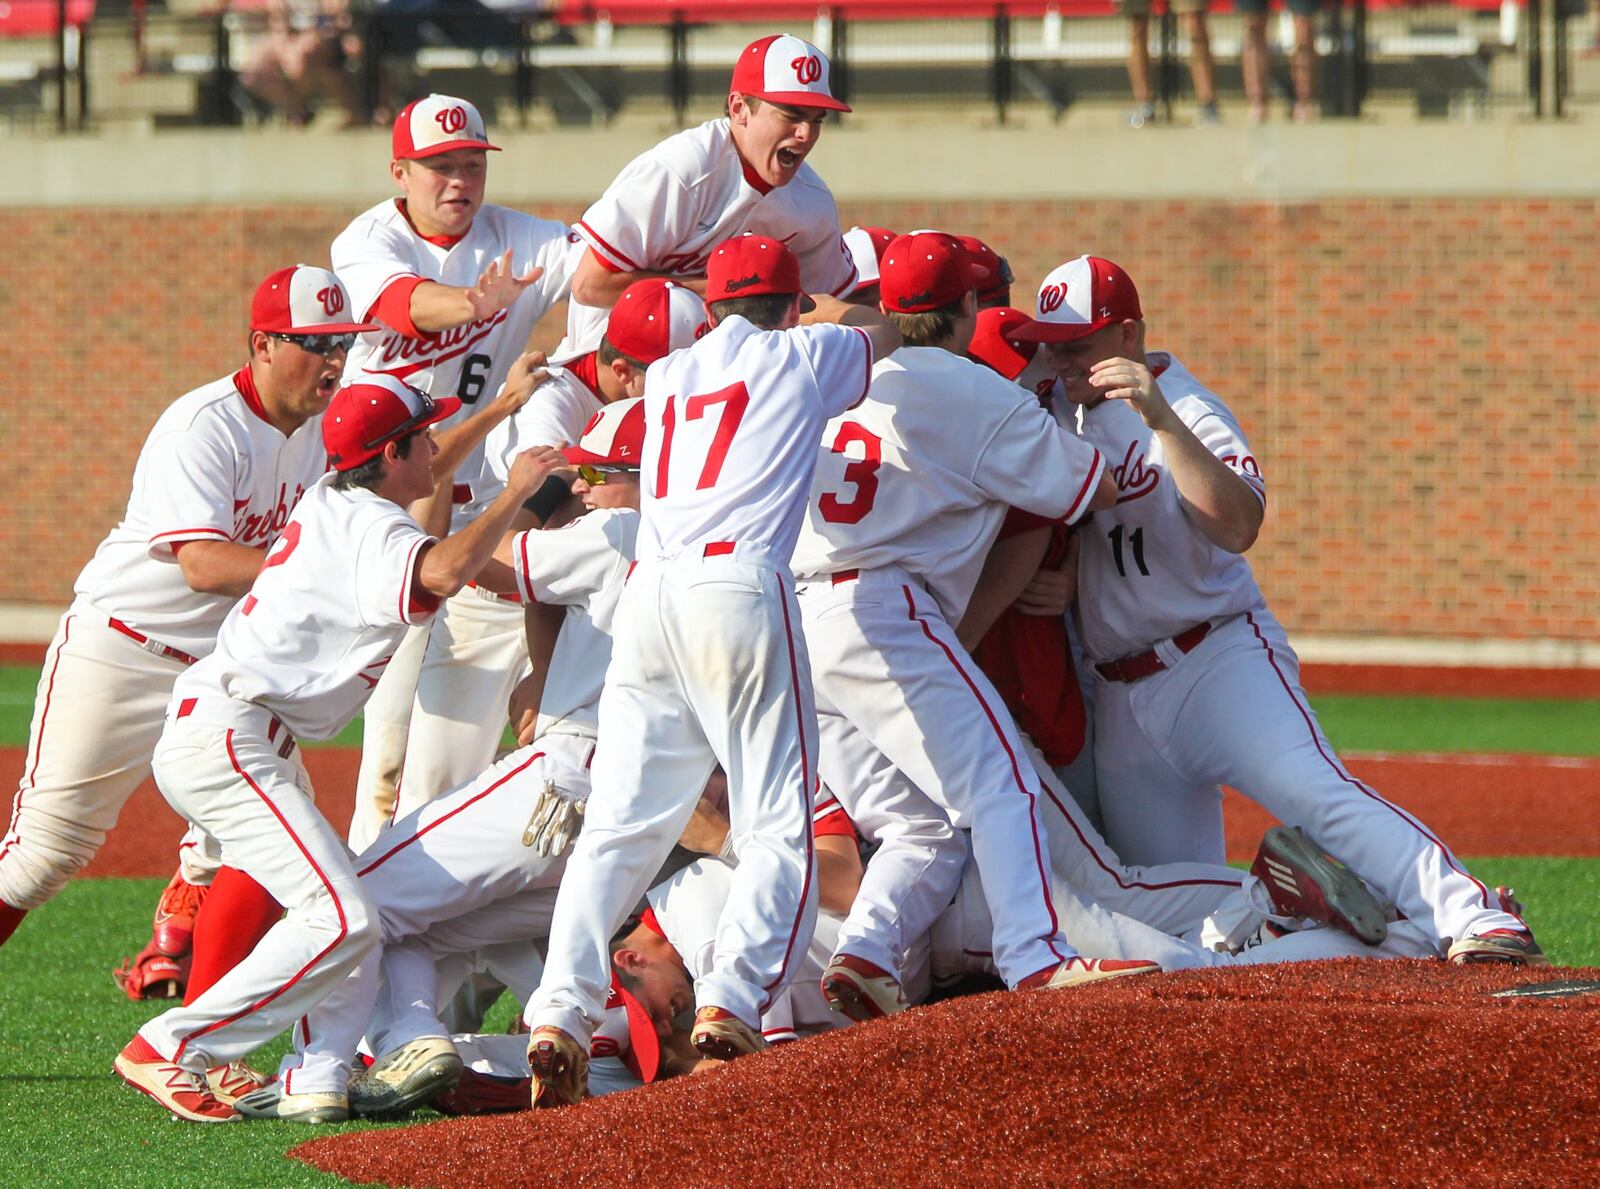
(444,406)
(801,99)
(450,146)
(1034,331)
(642,1038)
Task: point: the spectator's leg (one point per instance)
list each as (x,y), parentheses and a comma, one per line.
(1303,66)
(1201,66)
(1257,65)
(1139,67)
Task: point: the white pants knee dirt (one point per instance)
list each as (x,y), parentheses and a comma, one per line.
(385,723)
(476,654)
(452,877)
(1232,712)
(98,713)
(887,661)
(220,770)
(708,666)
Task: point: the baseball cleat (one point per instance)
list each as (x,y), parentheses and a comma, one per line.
(175,913)
(861,990)
(183,1093)
(405,1079)
(483,1094)
(1077,971)
(1515,947)
(560,1068)
(270,1102)
(231,1082)
(722,1036)
(1305,881)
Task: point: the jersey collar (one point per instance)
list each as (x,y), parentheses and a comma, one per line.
(753,179)
(438,241)
(587,370)
(245,382)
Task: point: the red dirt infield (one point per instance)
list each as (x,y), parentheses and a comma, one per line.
(1479,805)
(1325,1073)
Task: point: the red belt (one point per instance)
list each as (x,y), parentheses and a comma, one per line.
(504,596)
(274,726)
(719,548)
(159,649)
(844,576)
(1143,664)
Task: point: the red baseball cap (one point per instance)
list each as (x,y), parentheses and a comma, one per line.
(1000,276)
(614,436)
(1079,298)
(785,69)
(303,299)
(438,124)
(923,270)
(644,1044)
(655,317)
(749,266)
(994,345)
(867,245)
(367,415)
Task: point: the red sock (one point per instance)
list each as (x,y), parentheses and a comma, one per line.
(236,915)
(10,918)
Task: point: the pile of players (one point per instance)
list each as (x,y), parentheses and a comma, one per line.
(860,634)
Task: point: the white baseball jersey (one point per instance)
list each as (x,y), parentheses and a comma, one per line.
(1144,574)
(732,429)
(324,616)
(213,469)
(672,205)
(920,474)
(584,567)
(554,415)
(381,247)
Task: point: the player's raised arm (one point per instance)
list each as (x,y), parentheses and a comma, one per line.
(456,560)
(884,336)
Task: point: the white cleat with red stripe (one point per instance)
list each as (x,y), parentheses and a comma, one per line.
(1077,971)
(861,990)
(183,1093)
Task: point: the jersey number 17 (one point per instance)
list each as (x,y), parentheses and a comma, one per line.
(733,400)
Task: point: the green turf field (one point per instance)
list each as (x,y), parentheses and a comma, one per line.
(64,1120)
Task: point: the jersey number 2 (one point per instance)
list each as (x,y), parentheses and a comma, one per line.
(861,472)
(734,399)
(276,556)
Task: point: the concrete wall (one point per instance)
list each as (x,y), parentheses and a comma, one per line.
(1406,320)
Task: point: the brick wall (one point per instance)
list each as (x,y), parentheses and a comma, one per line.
(1421,378)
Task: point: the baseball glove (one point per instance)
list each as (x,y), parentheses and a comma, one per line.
(152,975)
(555,822)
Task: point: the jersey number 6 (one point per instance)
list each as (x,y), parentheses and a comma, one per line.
(734,399)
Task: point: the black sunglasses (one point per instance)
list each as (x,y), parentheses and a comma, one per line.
(319,344)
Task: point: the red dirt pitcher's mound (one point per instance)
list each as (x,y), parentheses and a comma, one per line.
(1332,1072)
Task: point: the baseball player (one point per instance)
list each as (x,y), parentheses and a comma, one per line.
(457,285)
(1196,685)
(295,659)
(746,172)
(908,497)
(213,487)
(709,667)
(994,292)
(866,246)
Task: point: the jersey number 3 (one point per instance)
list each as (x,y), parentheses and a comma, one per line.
(861,473)
(734,399)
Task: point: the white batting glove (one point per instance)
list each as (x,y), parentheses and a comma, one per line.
(556,819)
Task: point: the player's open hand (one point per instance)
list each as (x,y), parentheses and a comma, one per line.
(532,467)
(1050,592)
(498,287)
(526,374)
(1123,379)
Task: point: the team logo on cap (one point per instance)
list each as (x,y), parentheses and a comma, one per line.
(451,119)
(808,69)
(739,283)
(1051,297)
(332,299)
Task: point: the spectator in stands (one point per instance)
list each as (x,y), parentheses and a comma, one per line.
(1202,69)
(1257,59)
(305,58)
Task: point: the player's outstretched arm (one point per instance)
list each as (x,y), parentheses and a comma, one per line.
(451,563)
(1220,504)
(219,567)
(436,307)
(883,334)
(593,284)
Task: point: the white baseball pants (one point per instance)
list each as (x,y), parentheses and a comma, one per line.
(452,877)
(385,723)
(887,661)
(98,713)
(1233,712)
(476,654)
(708,666)
(220,769)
